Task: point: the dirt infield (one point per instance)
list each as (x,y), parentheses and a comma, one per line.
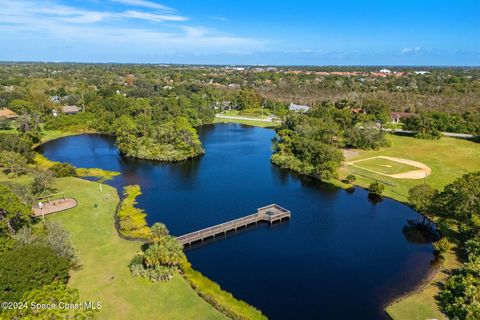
(54,206)
(420,173)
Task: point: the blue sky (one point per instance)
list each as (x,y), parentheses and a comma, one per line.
(340,32)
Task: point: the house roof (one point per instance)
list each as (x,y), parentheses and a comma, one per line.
(7,113)
(297,107)
(70,109)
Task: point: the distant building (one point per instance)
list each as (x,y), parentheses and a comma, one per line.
(6,113)
(422,72)
(55,99)
(298,108)
(385,71)
(358,111)
(397,117)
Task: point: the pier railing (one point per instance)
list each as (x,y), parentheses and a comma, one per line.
(270,213)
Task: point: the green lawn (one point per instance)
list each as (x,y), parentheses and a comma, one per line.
(448,158)
(104,275)
(384,166)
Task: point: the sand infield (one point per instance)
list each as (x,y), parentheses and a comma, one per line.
(422,171)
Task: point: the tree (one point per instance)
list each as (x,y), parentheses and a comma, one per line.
(377,109)
(442,246)
(58,239)
(13,163)
(460,198)
(13,213)
(167,252)
(366,137)
(42,181)
(376,189)
(13,142)
(63,170)
(27,267)
(461,292)
(5,124)
(421,197)
(351,178)
(159,230)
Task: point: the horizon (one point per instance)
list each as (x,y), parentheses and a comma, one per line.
(372,33)
(172,64)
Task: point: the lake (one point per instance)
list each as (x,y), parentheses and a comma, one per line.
(339,257)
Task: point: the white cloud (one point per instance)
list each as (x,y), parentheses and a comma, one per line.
(27,23)
(410,50)
(219,18)
(151,16)
(144,4)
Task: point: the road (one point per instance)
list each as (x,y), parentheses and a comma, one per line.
(446,134)
(268,119)
(271,119)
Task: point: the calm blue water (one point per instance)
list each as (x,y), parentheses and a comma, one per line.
(339,257)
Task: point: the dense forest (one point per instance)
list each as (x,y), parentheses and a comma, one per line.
(311,143)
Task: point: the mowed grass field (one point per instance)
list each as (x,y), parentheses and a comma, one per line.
(383,166)
(104,275)
(449,158)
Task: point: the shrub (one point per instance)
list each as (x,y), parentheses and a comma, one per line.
(442,246)
(155,274)
(29,267)
(131,220)
(351,178)
(63,170)
(376,189)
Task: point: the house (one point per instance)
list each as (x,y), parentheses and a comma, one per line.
(298,108)
(385,71)
(6,113)
(421,72)
(358,111)
(55,99)
(397,117)
(70,109)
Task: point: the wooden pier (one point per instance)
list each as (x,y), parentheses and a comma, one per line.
(271,213)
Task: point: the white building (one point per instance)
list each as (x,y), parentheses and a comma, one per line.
(386,71)
(298,108)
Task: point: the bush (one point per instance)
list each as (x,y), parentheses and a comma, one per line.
(132,223)
(376,189)
(351,178)
(29,267)
(442,246)
(421,197)
(63,170)
(155,274)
